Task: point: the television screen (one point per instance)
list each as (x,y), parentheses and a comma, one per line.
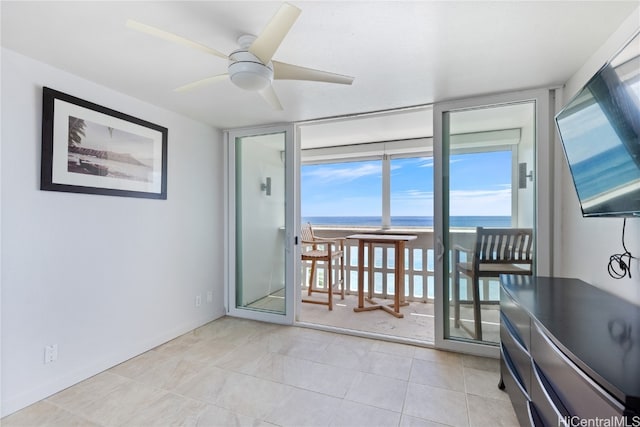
(600,129)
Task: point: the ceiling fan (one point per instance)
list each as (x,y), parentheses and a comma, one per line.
(251,67)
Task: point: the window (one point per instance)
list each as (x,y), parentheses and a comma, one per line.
(351,193)
(347,193)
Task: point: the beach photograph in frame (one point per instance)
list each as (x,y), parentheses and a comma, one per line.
(88,148)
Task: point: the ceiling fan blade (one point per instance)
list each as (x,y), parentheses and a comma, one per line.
(284,71)
(202,82)
(266,44)
(270,96)
(144,28)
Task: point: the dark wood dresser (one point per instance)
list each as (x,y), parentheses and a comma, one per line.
(569,353)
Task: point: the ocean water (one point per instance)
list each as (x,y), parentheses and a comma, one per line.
(410,221)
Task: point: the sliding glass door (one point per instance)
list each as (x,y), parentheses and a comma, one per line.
(487,156)
(261,219)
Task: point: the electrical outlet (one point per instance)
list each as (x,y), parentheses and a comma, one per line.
(198,300)
(210,296)
(50,353)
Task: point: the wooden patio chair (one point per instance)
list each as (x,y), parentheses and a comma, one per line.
(497,251)
(330,251)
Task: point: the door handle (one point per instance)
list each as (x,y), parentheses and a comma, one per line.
(439,248)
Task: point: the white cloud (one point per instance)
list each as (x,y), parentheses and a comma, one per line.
(346,173)
(412,195)
(480,202)
(462,202)
(419,203)
(412,202)
(348,206)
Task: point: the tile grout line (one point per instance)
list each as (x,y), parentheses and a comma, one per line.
(406,392)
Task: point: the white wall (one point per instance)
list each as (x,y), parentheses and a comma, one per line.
(585,244)
(105,278)
(526,154)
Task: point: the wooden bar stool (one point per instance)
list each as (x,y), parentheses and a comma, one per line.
(330,251)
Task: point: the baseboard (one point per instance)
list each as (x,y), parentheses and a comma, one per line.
(22,400)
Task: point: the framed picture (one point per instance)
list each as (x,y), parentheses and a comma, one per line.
(87,148)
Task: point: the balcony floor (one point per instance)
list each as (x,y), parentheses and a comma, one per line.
(417,324)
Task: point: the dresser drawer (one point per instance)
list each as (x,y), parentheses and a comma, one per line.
(580,395)
(520,358)
(518,318)
(547,404)
(534,418)
(518,396)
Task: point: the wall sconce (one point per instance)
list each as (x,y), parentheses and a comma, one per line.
(266,186)
(523,175)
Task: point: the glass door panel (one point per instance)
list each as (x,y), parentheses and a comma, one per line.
(259,286)
(485,177)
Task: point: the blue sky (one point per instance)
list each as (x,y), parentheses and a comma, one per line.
(480,185)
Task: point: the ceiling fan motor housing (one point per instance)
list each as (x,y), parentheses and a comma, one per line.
(248,72)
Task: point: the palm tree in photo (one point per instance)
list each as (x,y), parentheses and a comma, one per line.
(76,130)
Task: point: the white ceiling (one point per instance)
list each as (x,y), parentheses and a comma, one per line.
(401,53)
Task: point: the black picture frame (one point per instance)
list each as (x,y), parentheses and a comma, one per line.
(88,148)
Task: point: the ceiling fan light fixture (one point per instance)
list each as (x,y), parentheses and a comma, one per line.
(247,72)
(250,75)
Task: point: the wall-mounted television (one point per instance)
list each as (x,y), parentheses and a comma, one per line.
(600,133)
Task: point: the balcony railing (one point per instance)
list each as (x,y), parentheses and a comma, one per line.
(419,264)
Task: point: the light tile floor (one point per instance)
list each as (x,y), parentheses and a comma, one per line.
(245,373)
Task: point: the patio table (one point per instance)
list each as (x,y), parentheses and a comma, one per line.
(398,241)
